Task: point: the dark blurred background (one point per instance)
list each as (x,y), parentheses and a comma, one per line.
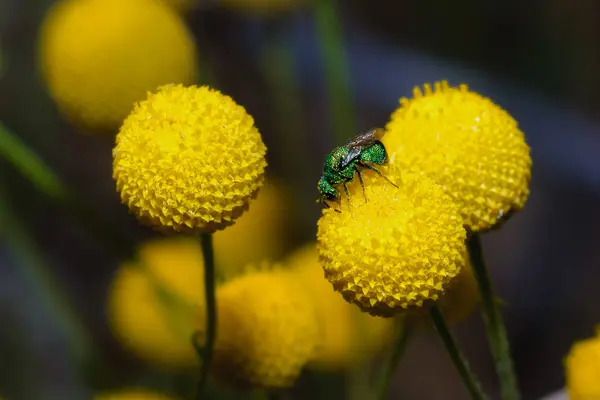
(538,59)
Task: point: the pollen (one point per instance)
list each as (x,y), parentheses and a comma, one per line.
(467,144)
(266,331)
(98,57)
(583,369)
(188,159)
(392,248)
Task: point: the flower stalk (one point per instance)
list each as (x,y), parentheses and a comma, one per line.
(496,330)
(54,297)
(211,310)
(405,331)
(336,69)
(32,167)
(469,379)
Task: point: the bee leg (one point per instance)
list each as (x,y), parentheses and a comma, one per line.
(362,184)
(347,193)
(320,200)
(367,166)
(328,206)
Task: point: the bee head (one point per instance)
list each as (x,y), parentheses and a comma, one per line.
(327,190)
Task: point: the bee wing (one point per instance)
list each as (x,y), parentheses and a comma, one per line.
(366,138)
(353,153)
(378,133)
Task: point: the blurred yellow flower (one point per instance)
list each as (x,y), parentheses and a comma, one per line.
(458,301)
(261,6)
(99,57)
(132,394)
(259,234)
(347,336)
(400,248)
(188,159)
(266,330)
(468,145)
(461,297)
(583,369)
(153,304)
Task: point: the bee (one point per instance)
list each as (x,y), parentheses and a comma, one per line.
(363,151)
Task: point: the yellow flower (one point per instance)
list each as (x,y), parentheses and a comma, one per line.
(262,6)
(156,326)
(583,369)
(266,330)
(347,336)
(259,234)
(468,145)
(400,248)
(188,159)
(132,394)
(99,57)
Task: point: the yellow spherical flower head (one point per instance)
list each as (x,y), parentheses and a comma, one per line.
(346,336)
(401,247)
(266,330)
(153,303)
(259,234)
(583,369)
(468,145)
(188,159)
(98,57)
(132,394)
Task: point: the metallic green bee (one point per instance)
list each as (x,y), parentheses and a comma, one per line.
(344,161)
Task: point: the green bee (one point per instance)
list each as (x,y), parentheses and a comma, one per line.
(343,162)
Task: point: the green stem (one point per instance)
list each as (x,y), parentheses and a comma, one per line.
(469,379)
(274,395)
(494,323)
(30,258)
(404,332)
(278,63)
(211,310)
(29,164)
(337,71)
(24,246)
(357,382)
(44,179)
(259,395)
